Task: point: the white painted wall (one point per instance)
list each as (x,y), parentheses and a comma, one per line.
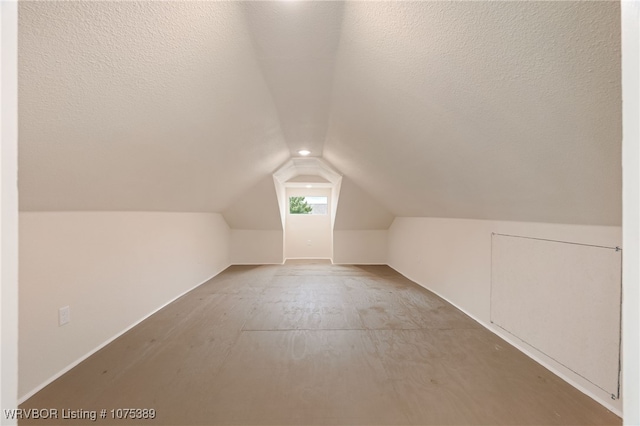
(452,257)
(360,230)
(113,269)
(256,235)
(8,208)
(631,212)
(308,236)
(359,210)
(254,247)
(367,247)
(256,208)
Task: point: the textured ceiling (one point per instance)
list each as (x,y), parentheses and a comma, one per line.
(141,106)
(489,110)
(296,45)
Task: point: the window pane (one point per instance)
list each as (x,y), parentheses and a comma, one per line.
(308,205)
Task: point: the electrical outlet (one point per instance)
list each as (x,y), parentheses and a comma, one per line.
(308,242)
(64,315)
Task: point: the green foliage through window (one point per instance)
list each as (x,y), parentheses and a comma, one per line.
(298,205)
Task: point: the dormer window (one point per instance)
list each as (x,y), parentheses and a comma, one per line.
(308,205)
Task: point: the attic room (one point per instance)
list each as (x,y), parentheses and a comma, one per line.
(303,212)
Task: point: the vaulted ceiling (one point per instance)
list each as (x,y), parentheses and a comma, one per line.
(487,110)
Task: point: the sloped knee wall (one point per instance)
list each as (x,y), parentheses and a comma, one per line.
(452,257)
(112,269)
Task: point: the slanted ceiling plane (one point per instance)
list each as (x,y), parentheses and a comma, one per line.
(485,110)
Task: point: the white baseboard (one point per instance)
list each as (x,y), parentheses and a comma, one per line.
(105,343)
(507,338)
(527,350)
(307,258)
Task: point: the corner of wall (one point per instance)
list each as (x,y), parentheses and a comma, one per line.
(630,28)
(8,208)
(255,247)
(360,247)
